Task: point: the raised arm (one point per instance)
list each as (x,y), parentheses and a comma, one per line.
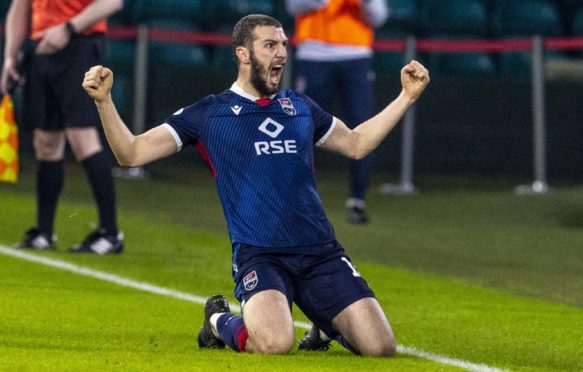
(128,149)
(362,140)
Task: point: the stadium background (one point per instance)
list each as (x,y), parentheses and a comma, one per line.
(465,269)
(475,119)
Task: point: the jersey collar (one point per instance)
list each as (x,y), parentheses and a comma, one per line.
(235,88)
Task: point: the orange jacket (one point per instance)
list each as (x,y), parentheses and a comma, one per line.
(339,22)
(48,13)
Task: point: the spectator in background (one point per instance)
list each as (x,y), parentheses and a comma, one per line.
(68,37)
(334,56)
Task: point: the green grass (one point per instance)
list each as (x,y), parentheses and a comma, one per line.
(477,274)
(67,322)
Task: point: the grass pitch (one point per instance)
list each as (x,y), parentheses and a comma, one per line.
(481,276)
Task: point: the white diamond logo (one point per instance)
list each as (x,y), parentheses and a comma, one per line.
(271,127)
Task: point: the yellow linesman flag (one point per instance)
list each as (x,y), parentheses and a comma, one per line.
(8,141)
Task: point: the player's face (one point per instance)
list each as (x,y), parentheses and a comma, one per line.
(268,57)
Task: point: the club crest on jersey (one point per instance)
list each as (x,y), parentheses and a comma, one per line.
(250,281)
(287,106)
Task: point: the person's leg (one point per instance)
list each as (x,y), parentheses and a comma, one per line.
(316,80)
(364,327)
(263,285)
(269,323)
(41,115)
(81,120)
(86,146)
(84,142)
(357,97)
(266,326)
(49,148)
(335,297)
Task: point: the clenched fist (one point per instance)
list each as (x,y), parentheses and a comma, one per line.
(98,82)
(414,79)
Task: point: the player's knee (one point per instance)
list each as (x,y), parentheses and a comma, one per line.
(48,148)
(84,142)
(273,344)
(386,348)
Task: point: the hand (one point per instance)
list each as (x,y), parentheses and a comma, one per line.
(414,79)
(53,39)
(98,82)
(9,75)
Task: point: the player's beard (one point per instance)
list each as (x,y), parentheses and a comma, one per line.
(259,77)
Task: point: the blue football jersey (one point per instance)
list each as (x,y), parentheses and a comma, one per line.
(263,161)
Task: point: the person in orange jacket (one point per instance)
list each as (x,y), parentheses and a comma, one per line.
(334,55)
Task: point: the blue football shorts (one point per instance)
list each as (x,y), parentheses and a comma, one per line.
(321,283)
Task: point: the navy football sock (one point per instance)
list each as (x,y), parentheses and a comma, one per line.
(232,331)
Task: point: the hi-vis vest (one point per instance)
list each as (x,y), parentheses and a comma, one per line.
(48,13)
(339,22)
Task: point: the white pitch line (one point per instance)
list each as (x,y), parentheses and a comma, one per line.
(150,288)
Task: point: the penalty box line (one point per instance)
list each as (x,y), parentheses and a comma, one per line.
(150,288)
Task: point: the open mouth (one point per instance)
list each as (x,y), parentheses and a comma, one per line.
(276,73)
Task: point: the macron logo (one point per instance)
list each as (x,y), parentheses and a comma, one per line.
(272,128)
(236,109)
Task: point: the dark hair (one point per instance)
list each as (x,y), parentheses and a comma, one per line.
(243,31)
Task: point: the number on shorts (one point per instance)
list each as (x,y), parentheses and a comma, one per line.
(354,272)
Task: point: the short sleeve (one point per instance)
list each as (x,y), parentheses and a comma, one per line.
(324,122)
(186,124)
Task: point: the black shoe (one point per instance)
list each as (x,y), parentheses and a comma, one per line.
(356,211)
(34,239)
(356,216)
(313,342)
(214,305)
(100,242)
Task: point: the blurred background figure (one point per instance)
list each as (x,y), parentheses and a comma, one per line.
(334,57)
(68,37)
